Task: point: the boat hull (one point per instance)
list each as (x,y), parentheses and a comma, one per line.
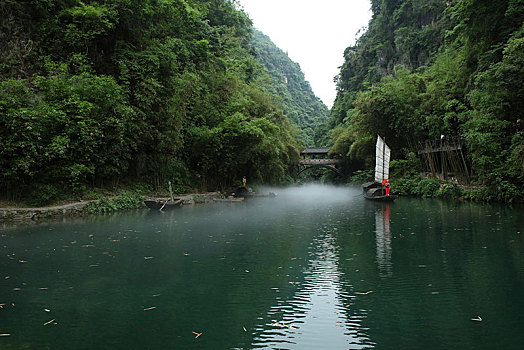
(389,198)
(376,192)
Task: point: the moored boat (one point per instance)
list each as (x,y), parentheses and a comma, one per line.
(374,191)
(378,190)
(248,193)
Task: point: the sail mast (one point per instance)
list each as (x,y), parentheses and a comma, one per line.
(383,158)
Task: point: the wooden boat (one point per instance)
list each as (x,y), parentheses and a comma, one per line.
(159,204)
(376,192)
(243,192)
(247,193)
(379,189)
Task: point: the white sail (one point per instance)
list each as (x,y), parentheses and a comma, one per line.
(382,160)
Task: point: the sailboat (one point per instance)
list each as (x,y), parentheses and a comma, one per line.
(379,189)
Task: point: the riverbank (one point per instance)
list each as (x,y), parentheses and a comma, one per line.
(126,200)
(21,214)
(427,187)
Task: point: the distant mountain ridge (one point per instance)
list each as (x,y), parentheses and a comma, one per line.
(302,107)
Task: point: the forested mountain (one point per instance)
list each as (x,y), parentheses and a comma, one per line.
(94,93)
(299,102)
(426,68)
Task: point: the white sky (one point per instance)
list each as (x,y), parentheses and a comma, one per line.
(314,33)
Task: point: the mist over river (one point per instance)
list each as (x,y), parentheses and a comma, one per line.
(317,267)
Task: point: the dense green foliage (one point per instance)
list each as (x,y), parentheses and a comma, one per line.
(426,68)
(93,93)
(298,101)
(125,200)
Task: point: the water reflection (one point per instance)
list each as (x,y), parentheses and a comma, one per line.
(383,239)
(319,306)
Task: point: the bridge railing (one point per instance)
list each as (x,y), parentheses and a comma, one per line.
(320,161)
(315,151)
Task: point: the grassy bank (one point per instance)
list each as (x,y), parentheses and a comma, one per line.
(103,204)
(125,200)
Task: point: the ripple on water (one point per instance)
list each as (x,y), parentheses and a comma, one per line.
(316,310)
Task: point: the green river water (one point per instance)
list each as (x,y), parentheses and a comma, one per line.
(318,267)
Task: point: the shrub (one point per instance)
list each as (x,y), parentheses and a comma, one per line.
(43,194)
(362,176)
(450,191)
(126,200)
(427,187)
(405,185)
(402,167)
(481,194)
